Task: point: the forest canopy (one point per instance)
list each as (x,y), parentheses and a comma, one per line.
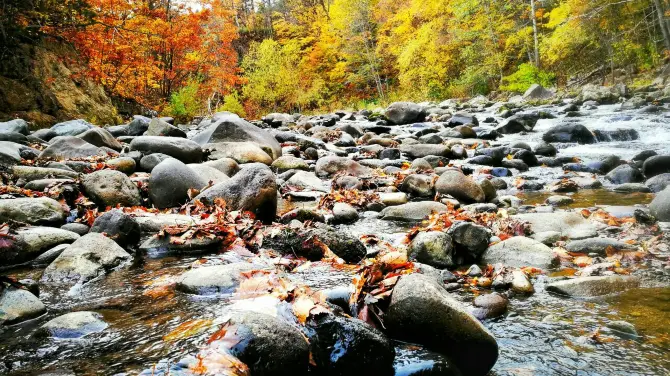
(191,57)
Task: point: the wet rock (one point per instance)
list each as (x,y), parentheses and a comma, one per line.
(521,283)
(461,187)
(400,113)
(118,226)
(230,128)
(269,345)
(623,328)
(412,211)
(569,224)
(412,360)
(658,182)
(111,188)
(18,305)
(527,157)
(518,123)
(344,346)
(631,188)
(659,207)
(433,248)
(170,182)
(569,132)
(124,164)
(302,215)
(515,163)
(100,137)
(470,240)
(625,174)
(162,245)
(71,127)
(48,256)
(213,280)
(30,242)
(461,118)
(520,251)
(91,256)
(489,306)
(559,200)
(656,165)
(545,149)
(425,150)
(593,286)
(418,185)
(644,155)
(421,311)
(331,165)
(344,213)
(74,325)
(35,211)
(29,173)
(253,189)
(138,125)
(69,147)
(309,243)
(182,149)
(286,162)
(158,127)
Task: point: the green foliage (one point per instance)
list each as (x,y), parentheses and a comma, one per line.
(526,75)
(231,103)
(186,103)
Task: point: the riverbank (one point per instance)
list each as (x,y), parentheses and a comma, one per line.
(525,236)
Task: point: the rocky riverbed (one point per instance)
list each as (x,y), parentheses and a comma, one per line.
(455,238)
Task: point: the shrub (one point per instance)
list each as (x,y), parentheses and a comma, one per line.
(184,104)
(526,75)
(231,103)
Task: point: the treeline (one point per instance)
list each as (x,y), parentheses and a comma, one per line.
(188,57)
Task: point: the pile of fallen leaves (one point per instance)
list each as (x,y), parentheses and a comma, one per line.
(500,223)
(352,197)
(219,222)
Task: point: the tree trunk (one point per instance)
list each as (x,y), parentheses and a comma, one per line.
(537,45)
(660,13)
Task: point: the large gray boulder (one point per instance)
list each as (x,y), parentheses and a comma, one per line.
(421,311)
(600,94)
(586,287)
(158,127)
(185,150)
(14,126)
(227,127)
(18,305)
(170,182)
(461,187)
(412,211)
(71,127)
(660,206)
(598,245)
(520,251)
(253,189)
(537,92)
(100,137)
(111,188)
(68,147)
(30,242)
(91,256)
(404,113)
(10,153)
(269,345)
(33,210)
(213,280)
(138,125)
(569,132)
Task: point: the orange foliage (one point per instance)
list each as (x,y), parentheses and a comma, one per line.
(145,51)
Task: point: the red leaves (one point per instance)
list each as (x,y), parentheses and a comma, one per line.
(352,197)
